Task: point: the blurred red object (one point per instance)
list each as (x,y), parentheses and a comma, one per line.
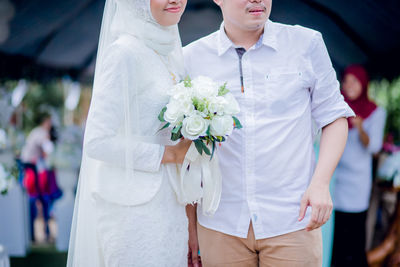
(33,186)
(389,145)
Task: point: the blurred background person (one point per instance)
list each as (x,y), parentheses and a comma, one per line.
(38,177)
(354,171)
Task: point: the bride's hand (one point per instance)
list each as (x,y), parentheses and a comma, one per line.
(176,154)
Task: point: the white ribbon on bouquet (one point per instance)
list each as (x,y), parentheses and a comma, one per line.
(200,181)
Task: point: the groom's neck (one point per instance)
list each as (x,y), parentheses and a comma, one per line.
(243,37)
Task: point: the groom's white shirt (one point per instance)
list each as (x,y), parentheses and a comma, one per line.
(289,82)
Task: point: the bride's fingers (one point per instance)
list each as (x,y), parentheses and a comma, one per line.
(195,259)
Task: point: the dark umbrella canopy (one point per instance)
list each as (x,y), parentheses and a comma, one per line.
(52,38)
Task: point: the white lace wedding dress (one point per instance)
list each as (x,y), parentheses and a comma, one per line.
(126,211)
(155,233)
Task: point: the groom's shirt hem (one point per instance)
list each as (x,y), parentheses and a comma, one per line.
(241,234)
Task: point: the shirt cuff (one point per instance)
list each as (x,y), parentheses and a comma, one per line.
(334,115)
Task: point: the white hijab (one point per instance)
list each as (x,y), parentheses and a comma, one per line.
(134,17)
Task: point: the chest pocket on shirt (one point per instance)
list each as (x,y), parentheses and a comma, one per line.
(285,91)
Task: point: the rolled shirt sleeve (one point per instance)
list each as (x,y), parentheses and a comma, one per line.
(327,102)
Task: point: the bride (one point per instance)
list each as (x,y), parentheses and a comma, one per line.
(126,211)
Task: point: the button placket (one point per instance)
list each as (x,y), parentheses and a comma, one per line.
(250,144)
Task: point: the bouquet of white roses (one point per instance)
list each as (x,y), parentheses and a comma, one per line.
(202,111)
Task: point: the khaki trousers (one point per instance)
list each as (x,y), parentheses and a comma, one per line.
(297,249)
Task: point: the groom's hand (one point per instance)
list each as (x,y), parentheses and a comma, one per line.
(318,197)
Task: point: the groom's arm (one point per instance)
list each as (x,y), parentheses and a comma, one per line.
(329,111)
(333,142)
(193,255)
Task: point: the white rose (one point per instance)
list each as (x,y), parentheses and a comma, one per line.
(221,125)
(174,113)
(177,89)
(204,87)
(217,105)
(182,96)
(187,107)
(185,101)
(231,106)
(179,98)
(194,126)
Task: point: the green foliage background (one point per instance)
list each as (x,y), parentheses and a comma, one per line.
(387,95)
(40,97)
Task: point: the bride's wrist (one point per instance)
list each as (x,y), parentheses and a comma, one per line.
(169,155)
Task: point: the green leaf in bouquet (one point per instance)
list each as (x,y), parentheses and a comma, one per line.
(187,82)
(213,149)
(195,101)
(165,126)
(201,107)
(177,129)
(161,115)
(199,104)
(208,131)
(220,139)
(222,90)
(199,146)
(206,149)
(177,136)
(238,125)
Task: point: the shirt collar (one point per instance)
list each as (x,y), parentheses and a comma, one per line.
(268,38)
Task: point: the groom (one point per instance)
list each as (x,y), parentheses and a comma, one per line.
(283,79)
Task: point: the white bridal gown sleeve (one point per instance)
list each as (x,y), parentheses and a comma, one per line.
(105,142)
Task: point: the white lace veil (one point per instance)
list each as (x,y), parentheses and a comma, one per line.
(120,17)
